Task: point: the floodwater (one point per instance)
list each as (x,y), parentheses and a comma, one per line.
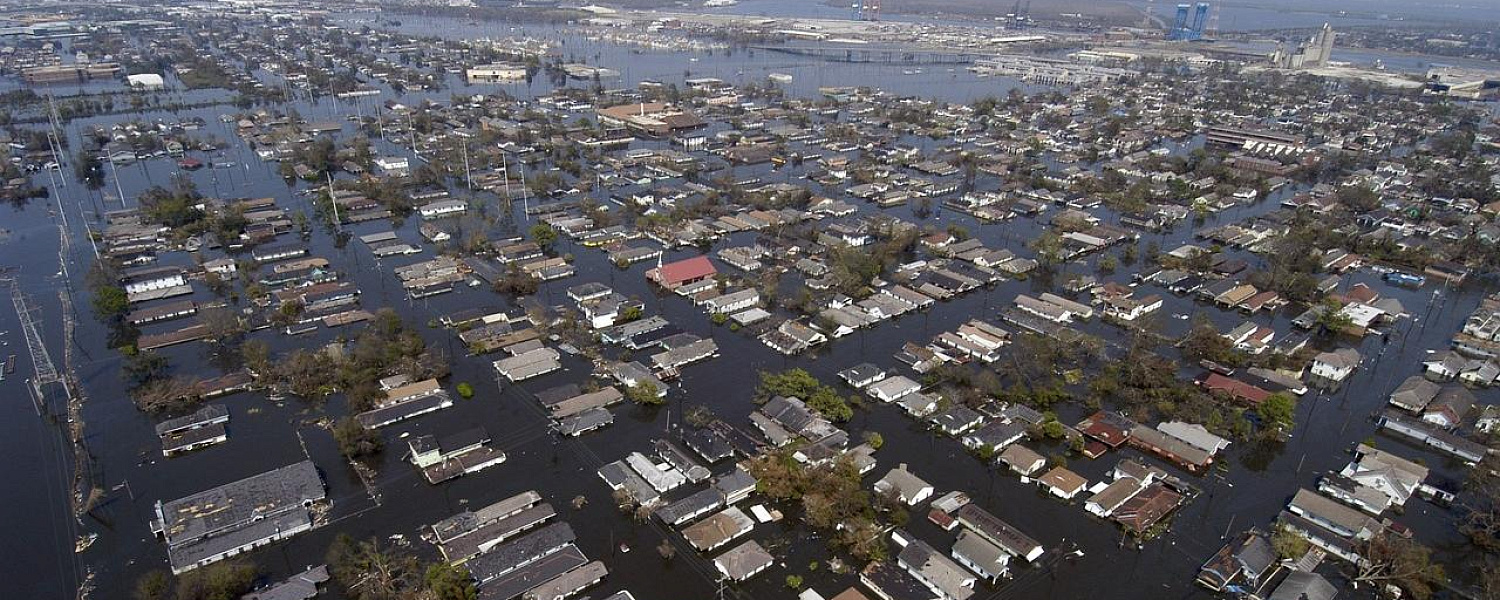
(265,435)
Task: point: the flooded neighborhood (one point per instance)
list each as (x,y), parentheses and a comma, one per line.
(749,299)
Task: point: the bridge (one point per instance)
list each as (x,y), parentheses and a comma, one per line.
(881,54)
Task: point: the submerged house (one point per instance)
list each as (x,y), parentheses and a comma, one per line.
(237,517)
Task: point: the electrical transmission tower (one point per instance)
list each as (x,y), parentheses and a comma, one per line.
(41,361)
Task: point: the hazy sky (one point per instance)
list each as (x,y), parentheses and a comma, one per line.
(1474,11)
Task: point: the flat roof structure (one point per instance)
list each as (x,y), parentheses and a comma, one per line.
(218,523)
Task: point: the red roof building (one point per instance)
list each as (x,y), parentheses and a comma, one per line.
(1110,428)
(1233,388)
(677,274)
(1144,510)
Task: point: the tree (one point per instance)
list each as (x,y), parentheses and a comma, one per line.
(1481,521)
(307,374)
(256,355)
(874,439)
(465,390)
(154,585)
(225,580)
(1332,318)
(645,394)
(1489,579)
(144,367)
(222,324)
(1359,198)
(517,283)
(1048,247)
(1399,561)
(801,384)
(1279,411)
(1107,265)
(1288,544)
(447,582)
(632,313)
(355,440)
(794,581)
(367,571)
(1097,105)
(544,235)
(831,406)
(1203,342)
(110,302)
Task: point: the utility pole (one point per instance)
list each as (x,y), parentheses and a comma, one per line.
(116,173)
(468,175)
(411,131)
(505,173)
(333,201)
(525,196)
(54,142)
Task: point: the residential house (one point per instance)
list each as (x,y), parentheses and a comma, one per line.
(1240,563)
(1336,365)
(891,389)
(1414,394)
(1062,483)
(861,375)
(1024,461)
(1449,408)
(941,575)
(904,485)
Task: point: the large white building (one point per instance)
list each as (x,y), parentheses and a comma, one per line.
(496,73)
(146,81)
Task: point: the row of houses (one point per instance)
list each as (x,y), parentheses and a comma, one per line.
(515,548)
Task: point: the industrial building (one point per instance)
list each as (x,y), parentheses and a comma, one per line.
(1315,52)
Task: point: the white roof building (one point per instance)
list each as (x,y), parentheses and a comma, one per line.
(148,81)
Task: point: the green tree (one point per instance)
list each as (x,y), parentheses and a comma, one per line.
(225,580)
(544,235)
(633,313)
(447,582)
(355,441)
(644,393)
(465,390)
(1331,316)
(794,581)
(1288,544)
(801,384)
(831,406)
(1279,410)
(144,367)
(154,585)
(110,302)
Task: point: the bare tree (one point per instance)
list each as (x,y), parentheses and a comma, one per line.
(1395,560)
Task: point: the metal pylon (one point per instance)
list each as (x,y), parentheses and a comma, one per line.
(41,361)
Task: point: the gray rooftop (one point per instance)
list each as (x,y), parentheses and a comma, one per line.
(241,502)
